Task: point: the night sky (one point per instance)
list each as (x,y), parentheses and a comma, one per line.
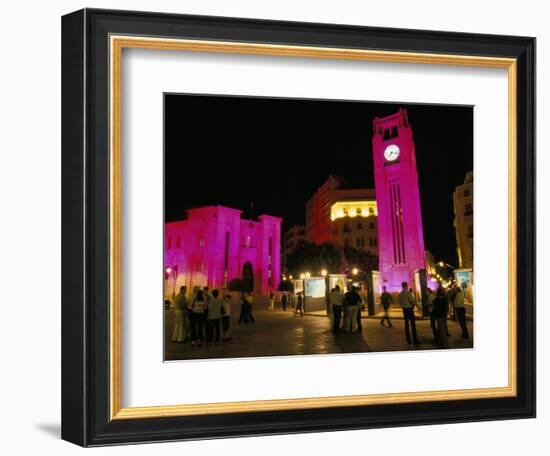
(276,152)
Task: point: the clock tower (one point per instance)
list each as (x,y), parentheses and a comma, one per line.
(400,234)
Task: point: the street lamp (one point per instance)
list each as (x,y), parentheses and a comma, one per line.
(308,275)
(290,277)
(355,271)
(168,269)
(302,276)
(324,272)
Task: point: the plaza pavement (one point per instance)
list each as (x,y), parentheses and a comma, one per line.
(279,333)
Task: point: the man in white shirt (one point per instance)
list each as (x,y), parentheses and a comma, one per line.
(336,299)
(407,302)
(461,312)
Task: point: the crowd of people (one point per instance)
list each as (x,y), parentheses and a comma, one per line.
(204,317)
(346,310)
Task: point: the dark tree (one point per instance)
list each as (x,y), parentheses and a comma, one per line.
(310,257)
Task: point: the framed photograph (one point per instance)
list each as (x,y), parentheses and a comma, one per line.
(268,227)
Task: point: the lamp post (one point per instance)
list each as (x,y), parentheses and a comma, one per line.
(167,271)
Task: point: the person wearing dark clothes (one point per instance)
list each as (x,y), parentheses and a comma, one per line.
(284,300)
(407,302)
(352,300)
(226,317)
(243,316)
(439,314)
(387,301)
(300,304)
(430,305)
(198,318)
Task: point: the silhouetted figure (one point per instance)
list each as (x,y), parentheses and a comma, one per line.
(213,318)
(387,301)
(336,300)
(439,314)
(180,330)
(284,300)
(352,300)
(198,317)
(461,312)
(430,306)
(226,317)
(300,304)
(407,302)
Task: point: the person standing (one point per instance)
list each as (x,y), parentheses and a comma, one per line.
(452,295)
(243,317)
(226,317)
(430,306)
(336,300)
(360,307)
(198,317)
(249,302)
(440,308)
(180,330)
(460,311)
(271,306)
(407,302)
(300,304)
(352,301)
(284,299)
(213,319)
(387,301)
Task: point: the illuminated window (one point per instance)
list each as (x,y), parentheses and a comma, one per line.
(346,211)
(358,211)
(371,211)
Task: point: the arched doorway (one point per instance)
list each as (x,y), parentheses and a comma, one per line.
(248,277)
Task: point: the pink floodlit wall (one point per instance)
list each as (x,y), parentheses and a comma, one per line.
(213,245)
(400,233)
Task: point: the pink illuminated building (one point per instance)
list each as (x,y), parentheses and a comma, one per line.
(400,233)
(214,245)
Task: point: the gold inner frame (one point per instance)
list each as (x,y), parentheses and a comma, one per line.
(117,44)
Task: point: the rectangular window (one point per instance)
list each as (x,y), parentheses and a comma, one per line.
(178,242)
(226,256)
(467,192)
(359,226)
(169,243)
(468,209)
(470,231)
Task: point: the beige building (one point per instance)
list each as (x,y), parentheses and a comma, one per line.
(463,202)
(345,216)
(294,236)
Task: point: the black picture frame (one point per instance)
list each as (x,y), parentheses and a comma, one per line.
(85,225)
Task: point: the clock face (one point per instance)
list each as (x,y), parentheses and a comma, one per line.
(391,152)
